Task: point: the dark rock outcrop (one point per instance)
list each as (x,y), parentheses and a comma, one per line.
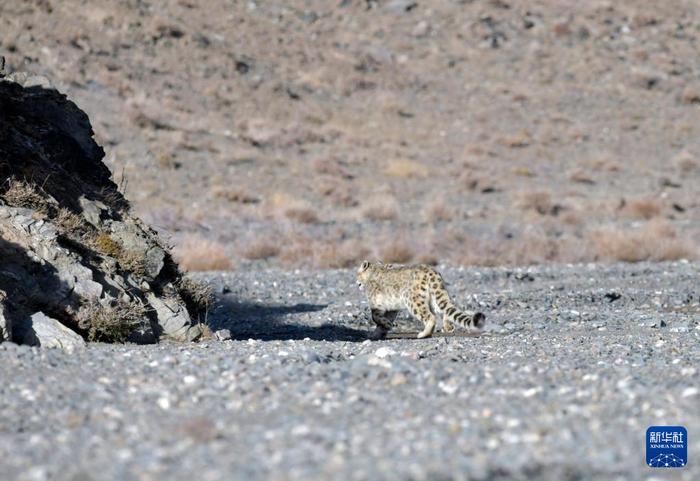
(69,247)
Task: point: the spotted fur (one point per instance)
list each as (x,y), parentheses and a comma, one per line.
(418,289)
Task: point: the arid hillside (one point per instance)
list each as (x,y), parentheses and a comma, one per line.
(318,133)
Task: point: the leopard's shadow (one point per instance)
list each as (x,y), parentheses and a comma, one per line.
(270,322)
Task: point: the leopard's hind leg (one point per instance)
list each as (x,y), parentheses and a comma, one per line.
(419,307)
(384,320)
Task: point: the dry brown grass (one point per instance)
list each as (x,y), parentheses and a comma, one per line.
(166,160)
(338,255)
(303,215)
(198,254)
(523,171)
(339,193)
(690,94)
(517,140)
(406,169)
(331,167)
(537,201)
(20,193)
(686,162)
(282,204)
(235,196)
(657,240)
(261,249)
(68,222)
(581,177)
(379,209)
(112,323)
(198,297)
(397,251)
(572,218)
(478,182)
(642,208)
(438,211)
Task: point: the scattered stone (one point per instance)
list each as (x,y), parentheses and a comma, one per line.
(43,331)
(223,335)
(400,6)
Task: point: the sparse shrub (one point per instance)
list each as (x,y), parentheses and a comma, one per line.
(346,254)
(437,211)
(655,241)
(523,171)
(104,244)
(644,208)
(236,196)
(477,182)
(339,193)
(303,215)
(428,258)
(406,169)
(166,160)
(111,323)
(572,218)
(538,201)
(518,140)
(197,254)
(378,208)
(398,252)
(131,261)
(330,167)
(261,249)
(198,296)
(20,193)
(68,222)
(581,177)
(686,162)
(690,94)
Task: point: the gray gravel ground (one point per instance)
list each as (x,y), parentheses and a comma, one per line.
(576,363)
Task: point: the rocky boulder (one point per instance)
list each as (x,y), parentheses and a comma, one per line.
(70,249)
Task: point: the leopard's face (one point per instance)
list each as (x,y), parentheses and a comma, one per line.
(363,273)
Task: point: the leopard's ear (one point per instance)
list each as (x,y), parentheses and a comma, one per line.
(364,266)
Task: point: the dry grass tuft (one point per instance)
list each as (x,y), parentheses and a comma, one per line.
(518,140)
(345,254)
(644,208)
(303,215)
(523,171)
(690,95)
(406,169)
(68,222)
(378,211)
(340,193)
(538,201)
(332,167)
(657,240)
(166,160)
(398,252)
(686,162)
(235,196)
(581,177)
(104,244)
(111,323)
(428,258)
(198,254)
(198,297)
(21,193)
(261,249)
(437,211)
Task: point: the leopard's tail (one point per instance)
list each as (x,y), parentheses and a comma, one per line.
(441,303)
